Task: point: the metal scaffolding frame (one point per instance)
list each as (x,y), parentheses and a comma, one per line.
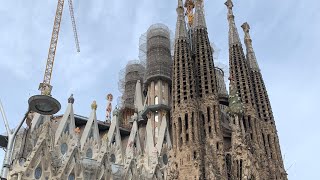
(129,76)
(155,51)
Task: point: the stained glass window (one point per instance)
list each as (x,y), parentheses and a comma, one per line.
(71,176)
(112,158)
(89,153)
(63,148)
(38,172)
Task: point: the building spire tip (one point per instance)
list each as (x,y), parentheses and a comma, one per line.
(229,4)
(94,105)
(71,99)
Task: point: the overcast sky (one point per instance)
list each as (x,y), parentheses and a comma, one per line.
(285,38)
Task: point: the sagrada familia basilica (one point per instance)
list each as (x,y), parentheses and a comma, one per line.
(176,120)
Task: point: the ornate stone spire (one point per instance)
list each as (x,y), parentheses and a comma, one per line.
(91,129)
(181,31)
(71,99)
(233,32)
(251,57)
(67,123)
(199,19)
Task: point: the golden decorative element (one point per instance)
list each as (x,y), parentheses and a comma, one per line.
(189,13)
(94,105)
(77,130)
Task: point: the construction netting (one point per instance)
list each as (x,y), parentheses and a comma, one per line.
(129,76)
(156,52)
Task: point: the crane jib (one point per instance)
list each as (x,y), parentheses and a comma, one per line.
(45,87)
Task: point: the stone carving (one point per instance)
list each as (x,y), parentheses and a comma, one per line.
(109,107)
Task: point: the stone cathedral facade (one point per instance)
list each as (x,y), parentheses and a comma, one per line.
(181,123)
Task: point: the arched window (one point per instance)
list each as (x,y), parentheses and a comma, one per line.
(89,153)
(112,158)
(38,172)
(165,159)
(66,129)
(156,117)
(229,165)
(91,133)
(180,132)
(71,176)
(209,120)
(156,134)
(156,100)
(192,126)
(186,122)
(203,124)
(64,148)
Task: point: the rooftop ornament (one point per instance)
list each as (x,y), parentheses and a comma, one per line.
(94,105)
(109,107)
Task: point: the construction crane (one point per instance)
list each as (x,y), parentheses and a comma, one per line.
(45,86)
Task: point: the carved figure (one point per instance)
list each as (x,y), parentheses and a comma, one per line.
(109,107)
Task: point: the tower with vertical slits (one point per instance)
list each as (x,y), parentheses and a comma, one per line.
(240,73)
(271,146)
(157,80)
(185,128)
(196,132)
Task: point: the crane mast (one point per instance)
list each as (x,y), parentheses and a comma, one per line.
(45,86)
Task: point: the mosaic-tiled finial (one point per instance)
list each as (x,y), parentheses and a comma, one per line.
(94,105)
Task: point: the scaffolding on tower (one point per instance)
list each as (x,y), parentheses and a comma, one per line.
(156,45)
(128,78)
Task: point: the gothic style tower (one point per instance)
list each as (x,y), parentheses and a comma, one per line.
(239,71)
(269,132)
(240,161)
(185,130)
(207,96)
(196,127)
